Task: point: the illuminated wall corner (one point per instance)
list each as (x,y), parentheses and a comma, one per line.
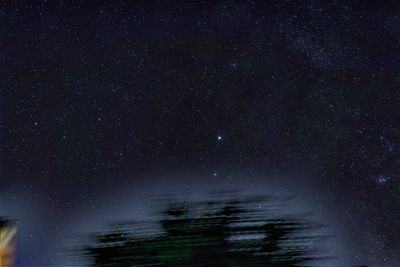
(8,231)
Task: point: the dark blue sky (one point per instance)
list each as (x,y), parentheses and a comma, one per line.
(103,105)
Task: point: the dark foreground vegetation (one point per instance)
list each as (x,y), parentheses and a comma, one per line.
(223,231)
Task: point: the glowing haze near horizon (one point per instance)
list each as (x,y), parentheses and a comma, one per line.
(106,105)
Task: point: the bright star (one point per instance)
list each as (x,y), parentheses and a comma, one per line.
(219,138)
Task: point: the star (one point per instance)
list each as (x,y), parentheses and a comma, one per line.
(219,138)
(382,179)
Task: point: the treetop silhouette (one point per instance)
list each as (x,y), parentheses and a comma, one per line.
(218,232)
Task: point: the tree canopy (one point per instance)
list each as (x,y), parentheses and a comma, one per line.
(219,233)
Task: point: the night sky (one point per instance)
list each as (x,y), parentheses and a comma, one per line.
(106,105)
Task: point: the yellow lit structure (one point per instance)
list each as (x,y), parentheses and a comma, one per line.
(8,232)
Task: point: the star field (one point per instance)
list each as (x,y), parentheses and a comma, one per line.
(106,104)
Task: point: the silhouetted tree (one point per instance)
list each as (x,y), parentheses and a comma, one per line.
(224,232)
